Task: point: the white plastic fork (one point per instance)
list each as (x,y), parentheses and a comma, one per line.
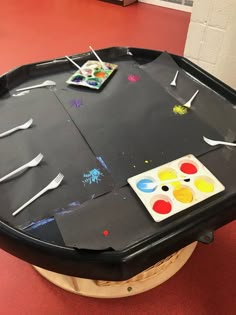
(54,184)
(21,127)
(32,163)
(45,83)
(173,83)
(215,142)
(189,103)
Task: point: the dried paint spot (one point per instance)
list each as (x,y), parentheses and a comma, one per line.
(180,110)
(93,176)
(105,232)
(133,78)
(76,103)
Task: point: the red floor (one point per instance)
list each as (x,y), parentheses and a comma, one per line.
(38,30)
(32,31)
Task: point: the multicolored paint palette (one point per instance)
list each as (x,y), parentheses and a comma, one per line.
(175,186)
(92,74)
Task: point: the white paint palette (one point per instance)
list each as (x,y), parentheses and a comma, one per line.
(92,74)
(175,186)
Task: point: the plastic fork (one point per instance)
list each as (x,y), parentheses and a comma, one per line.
(52,185)
(32,163)
(189,103)
(215,142)
(21,127)
(45,83)
(173,83)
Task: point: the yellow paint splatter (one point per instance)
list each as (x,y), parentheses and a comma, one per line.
(204,185)
(146,161)
(183,195)
(180,110)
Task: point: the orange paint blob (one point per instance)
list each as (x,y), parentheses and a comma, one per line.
(101,75)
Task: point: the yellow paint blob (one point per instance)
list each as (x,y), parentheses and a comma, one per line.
(204,185)
(146,161)
(168,174)
(183,195)
(180,110)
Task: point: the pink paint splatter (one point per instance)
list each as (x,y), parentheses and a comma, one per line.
(133,78)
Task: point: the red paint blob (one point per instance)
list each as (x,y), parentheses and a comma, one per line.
(188,168)
(106,233)
(162,207)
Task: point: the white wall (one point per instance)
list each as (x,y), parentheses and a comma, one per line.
(211,41)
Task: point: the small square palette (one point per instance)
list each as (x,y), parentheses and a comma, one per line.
(175,186)
(92,75)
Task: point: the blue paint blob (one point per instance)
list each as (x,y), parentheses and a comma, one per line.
(141,185)
(93,83)
(78,78)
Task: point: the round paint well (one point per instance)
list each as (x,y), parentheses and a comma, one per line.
(88,71)
(78,78)
(188,167)
(100,74)
(204,184)
(93,81)
(168,174)
(183,194)
(161,204)
(143,183)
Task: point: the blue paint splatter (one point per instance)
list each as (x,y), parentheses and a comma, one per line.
(101,161)
(77,103)
(34,225)
(92,176)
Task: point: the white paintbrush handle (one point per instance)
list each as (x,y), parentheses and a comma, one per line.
(72,61)
(14,172)
(31,200)
(164,182)
(98,58)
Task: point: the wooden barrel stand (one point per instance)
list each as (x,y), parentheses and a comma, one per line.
(144,281)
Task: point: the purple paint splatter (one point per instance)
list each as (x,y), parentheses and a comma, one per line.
(77,103)
(133,78)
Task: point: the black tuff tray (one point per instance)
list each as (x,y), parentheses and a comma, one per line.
(42,244)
